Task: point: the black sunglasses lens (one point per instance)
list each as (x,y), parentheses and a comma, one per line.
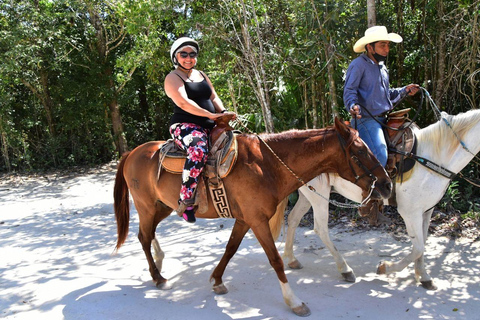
(184,54)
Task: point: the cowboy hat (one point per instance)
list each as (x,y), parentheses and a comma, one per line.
(373,34)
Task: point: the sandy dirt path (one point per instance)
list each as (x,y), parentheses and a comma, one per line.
(58,232)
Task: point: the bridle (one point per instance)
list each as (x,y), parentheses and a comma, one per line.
(346,146)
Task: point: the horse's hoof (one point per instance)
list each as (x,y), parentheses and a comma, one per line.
(429,285)
(220,289)
(163,285)
(349,276)
(382,268)
(295,264)
(302,311)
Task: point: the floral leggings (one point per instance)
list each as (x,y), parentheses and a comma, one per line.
(194,140)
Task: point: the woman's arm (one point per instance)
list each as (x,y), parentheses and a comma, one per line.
(175,90)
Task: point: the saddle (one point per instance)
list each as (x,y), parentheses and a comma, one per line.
(400,140)
(221,158)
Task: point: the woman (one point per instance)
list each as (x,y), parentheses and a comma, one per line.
(196,107)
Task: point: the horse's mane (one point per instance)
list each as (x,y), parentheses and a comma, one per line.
(295,133)
(441,132)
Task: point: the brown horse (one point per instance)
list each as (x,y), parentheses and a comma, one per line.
(255,187)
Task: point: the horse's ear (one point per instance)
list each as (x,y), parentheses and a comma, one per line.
(342,128)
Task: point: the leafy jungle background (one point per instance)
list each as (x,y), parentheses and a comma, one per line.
(81,81)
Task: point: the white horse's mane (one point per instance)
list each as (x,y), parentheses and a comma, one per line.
(439,135)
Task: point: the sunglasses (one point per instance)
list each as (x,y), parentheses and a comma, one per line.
(185,54)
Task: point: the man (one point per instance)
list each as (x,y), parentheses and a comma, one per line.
(367,96)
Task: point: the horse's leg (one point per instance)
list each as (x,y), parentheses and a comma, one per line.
(149,217)
(320,219)
(421,273)
(294,217)
(321,228)
(239,230)
(414,224)
(158,254)
(264,236)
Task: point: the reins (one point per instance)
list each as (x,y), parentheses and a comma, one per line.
(426,162)
(464,146)
(418,109)
(310,187)
(343,143)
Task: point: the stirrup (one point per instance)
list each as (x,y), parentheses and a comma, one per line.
(182,206)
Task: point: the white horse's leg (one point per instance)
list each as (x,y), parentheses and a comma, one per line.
(298,307)
(421,273)
(413,222)
(294,217)
(320,213)
(158,254)
(321,228)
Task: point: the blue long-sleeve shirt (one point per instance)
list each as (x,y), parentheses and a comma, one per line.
(367,84)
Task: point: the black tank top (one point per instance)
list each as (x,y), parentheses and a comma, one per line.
(200,92)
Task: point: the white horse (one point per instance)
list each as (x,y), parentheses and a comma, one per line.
(416,196)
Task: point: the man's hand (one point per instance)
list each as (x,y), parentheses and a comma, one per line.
(412,89)
(355,111)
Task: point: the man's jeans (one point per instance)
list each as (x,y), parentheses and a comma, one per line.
(371,133)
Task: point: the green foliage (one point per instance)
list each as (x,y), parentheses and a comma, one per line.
(462,195)
(56,89)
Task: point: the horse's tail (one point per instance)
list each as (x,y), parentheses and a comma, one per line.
(121,203)
(276,222)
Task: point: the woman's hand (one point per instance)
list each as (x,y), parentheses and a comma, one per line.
(215,116)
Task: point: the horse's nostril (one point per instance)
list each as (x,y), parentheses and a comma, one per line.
(389,187)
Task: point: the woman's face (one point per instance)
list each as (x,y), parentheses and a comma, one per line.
(187,58)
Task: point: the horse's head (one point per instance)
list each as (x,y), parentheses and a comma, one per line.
(363,168)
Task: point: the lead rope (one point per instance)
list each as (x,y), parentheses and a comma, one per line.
(311,188)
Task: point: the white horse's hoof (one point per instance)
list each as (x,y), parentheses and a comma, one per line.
(220,289)
(295,264)
(349,276)
(302,311)
(429,285)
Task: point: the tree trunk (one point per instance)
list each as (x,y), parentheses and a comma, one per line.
(103,49)
(323,104)
(441,56)
(400,46)
(331,81)
(117,126)
(233,97)
(253,64)
(371,15)
(43,94)
(314,105)
(305,103)
(4,142)
(261,78)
